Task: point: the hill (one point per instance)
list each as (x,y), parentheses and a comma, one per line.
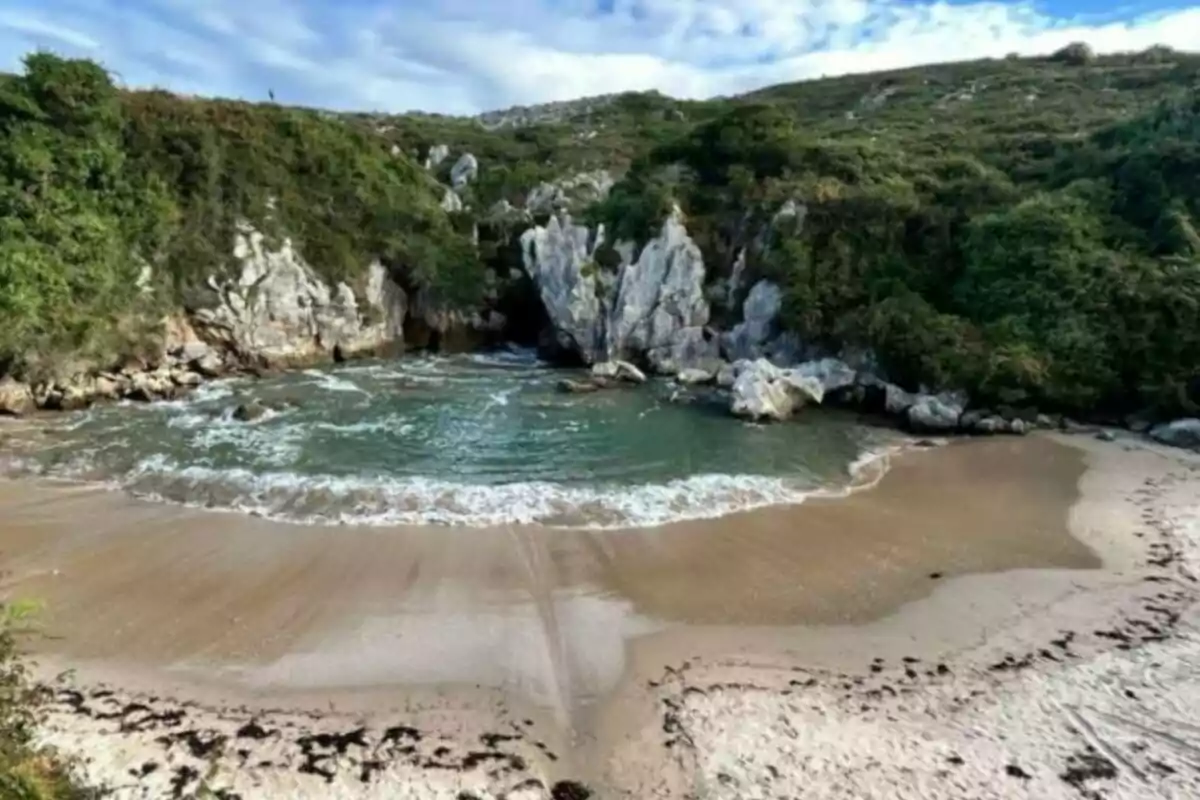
(1023,228)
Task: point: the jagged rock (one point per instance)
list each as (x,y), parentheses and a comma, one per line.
(16,398)
(935,413)
(569,386)
(1179,433)
(559,259)
(748,339)
(437,154)
(658,311)
(463,171)
(569,192)
(660,308)
(279,310)
(764,391)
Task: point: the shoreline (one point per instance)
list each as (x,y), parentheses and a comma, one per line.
(665,674)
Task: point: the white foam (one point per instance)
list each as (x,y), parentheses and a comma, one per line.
(376,501)
(333,383)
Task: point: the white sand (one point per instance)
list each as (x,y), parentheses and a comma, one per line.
(1027,683)
(1095,694)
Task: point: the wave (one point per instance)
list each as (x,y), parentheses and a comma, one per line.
(378,501)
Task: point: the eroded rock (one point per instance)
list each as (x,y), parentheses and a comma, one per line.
(763,391)
(16,398)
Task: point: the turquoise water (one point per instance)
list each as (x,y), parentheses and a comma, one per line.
(475,440)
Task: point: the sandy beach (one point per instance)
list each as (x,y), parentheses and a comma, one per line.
(996,618)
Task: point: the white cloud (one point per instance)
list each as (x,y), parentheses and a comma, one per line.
(461,56)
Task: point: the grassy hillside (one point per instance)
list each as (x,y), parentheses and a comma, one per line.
(1024,228)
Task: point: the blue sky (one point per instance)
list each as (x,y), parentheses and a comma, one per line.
(464,56)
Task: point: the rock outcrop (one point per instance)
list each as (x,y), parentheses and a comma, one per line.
(763,391)
(277,309)
(654,311)
(748,339)
(660,309)
(464,171)
(560,259)
(569,192)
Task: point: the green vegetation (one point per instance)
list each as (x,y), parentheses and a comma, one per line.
(26,772)
(1034,242)
(97,185)
(1023,228)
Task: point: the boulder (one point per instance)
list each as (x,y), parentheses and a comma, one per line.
(618,370)
(279,311)
(569,386)
(764,391)
(833,374)
(935,413)
(693,377)
(249,412)
(16,398)
(1179,433)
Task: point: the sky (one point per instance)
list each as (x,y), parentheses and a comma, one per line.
(468,56)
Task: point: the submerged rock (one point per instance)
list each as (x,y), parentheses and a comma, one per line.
(764,391)
(569,386)
(251,411)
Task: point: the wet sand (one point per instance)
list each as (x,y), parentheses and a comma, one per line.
(576,631)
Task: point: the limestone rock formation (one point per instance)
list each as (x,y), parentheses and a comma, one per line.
(278,309)
(437,154)
(748,339)
(569,192)
(658,311)
(559,258)
(464,171)
(763,391)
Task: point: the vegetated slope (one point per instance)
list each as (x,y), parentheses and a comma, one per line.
(1019,227)
(116,206)
(1024,229)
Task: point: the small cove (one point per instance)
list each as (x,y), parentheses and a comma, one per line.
(477,440)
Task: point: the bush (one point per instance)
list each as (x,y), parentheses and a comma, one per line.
(26,771)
